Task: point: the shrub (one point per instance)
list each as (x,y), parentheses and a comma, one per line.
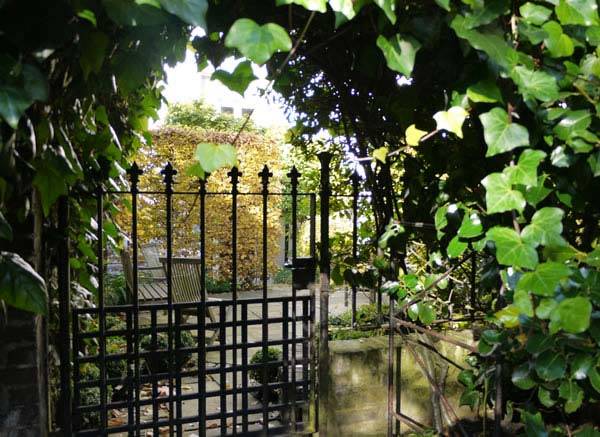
(215,286)
(283,276)
(273,354)
(115,290)
(158,360)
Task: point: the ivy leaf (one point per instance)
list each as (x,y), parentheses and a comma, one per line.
(522,301)
(486,14)
(572,394)
(238,80)
(494,45)
(471,226)
(258,43)
(593,258)
(311,5)
(539,342)
(456,247)
(572,315)
(389,8)
(344,7)
(509,316)
(426,313)
(534,424)
(525,172)
(380,154)
(511,250)
(545,308)
(577,12)
(191,11)
(558,43)
(550,366)
(581,365)
(574,121)
(544,280)
(594,378)
(444,4)
(20,285)
(135,12)
(5,228)
(215,156)
(13,103)
(545,228)
(93,51)
(413,135)
(535,14)
(440,220)
(545,397)
(521,377)
(485,91)
(53,173)
(499,195)
(195,170)
(399,52)
(451,120)
(500,134)
(594,163)
(537,84)
(534,194)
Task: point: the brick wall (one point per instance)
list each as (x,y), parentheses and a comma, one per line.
(23,380)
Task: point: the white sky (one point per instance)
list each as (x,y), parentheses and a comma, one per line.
(186,84)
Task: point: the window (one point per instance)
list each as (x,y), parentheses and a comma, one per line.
(227,110)
(246,111)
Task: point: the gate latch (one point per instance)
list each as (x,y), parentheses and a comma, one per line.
(303,271)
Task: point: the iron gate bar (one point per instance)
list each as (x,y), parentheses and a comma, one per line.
(355,181)
(168,172)
(134,173)
(201,313)
(234,174)
(265,174)
(222,368)
(294,175)
(101,318)
(64,302)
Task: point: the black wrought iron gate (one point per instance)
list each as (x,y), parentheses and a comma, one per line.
(156,394)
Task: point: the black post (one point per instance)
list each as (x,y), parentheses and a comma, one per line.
(64,303)
(265,174)
(168,173)
(355,187)
(325,159)
(234,174)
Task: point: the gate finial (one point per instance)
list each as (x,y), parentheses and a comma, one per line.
(294,175)
(134,172)
(264,175)
(168,173)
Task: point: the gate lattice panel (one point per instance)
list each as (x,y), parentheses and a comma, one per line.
(183,368)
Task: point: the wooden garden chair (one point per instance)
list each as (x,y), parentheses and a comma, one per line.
(185,285)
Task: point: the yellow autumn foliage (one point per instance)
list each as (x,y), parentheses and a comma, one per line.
(176,144)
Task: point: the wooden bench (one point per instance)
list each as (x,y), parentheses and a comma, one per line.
(186,285)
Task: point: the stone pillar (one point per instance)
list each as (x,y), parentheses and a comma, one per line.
(23,381)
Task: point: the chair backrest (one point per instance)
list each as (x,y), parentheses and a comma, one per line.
(185,274)
(127,269)
(151,254)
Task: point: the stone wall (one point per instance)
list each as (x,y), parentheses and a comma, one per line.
(23,383)
(358,387)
